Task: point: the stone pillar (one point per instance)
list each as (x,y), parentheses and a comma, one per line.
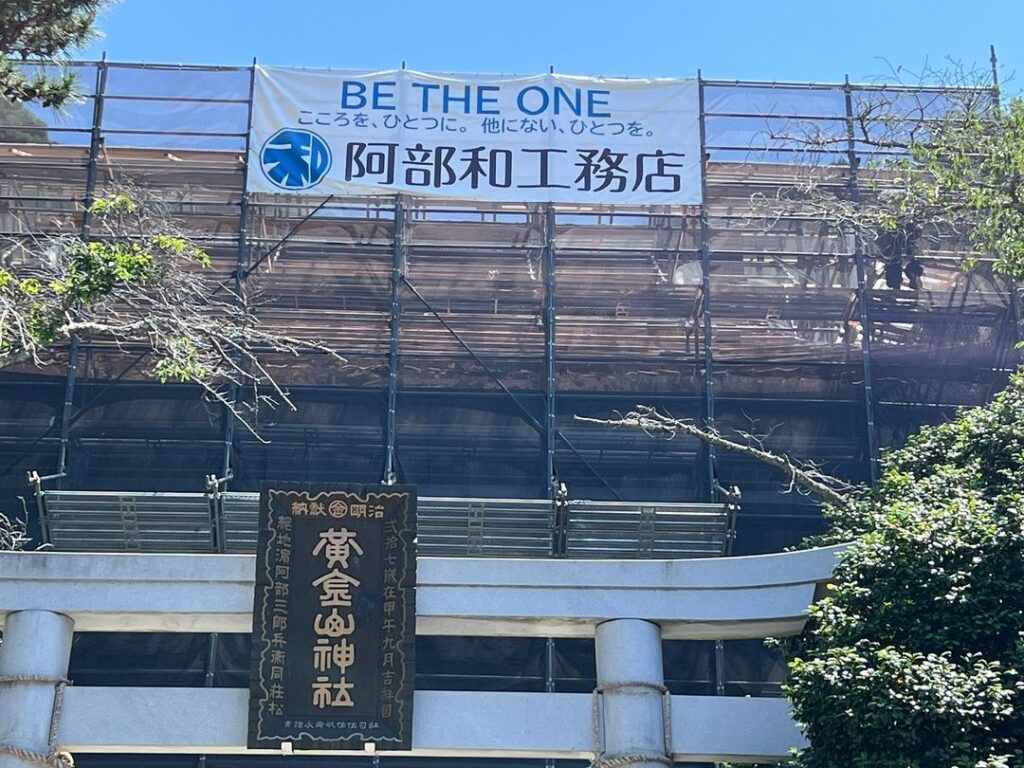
(631,678)
(35,643)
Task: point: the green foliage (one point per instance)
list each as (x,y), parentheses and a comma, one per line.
(41,31)
(43,324)
(138,281)
(97,267)
(30,286)
(114,204)
(981,163)
(181,361)
(915,658)
(93,271)
(968,172)
(180,246)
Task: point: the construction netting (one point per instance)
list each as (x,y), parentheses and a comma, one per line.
(512,320)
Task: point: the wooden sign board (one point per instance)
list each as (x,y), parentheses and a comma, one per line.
(334,618)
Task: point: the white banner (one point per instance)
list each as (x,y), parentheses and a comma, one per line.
(552,138)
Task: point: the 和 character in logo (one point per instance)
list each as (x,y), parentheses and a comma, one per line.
(295,159)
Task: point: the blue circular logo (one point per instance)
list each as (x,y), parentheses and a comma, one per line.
(295,159)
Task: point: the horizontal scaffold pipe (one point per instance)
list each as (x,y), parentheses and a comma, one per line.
(715,598)
(445,724)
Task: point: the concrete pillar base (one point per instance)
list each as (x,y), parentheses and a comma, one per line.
(633,719)
(36,645)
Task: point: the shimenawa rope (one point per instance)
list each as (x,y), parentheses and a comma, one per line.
(52,758)
(620,761)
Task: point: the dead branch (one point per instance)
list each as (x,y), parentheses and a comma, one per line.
(801,474)
(139,281)
(13,535)
(891,125)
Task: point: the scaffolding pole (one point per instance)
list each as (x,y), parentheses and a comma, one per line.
(862,304)
(550,427)
(709,378)
(95,140)
(394,321)
(705,294)
(1011,283)
(240,275)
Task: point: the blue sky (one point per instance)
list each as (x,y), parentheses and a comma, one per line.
(798,40)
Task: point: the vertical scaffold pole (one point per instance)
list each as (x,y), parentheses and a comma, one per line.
(95,140)
(395,318)
(994,61)
(241,253)
(862,304)
(709,368)
(91,171)
(705,290)
(1012,285)
(550,428)
(227,463)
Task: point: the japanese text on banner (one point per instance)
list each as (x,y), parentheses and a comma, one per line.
(550,138)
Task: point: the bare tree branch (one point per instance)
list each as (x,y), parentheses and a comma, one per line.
(804,474)
(140,281)
(929,152)
(13,535)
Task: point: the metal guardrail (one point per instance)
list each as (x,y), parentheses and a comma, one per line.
(141,522)
(115,521)
(632,529)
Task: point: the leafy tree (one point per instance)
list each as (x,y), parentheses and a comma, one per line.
(139,282)
(35,33)
(968,173)
(915,657)
(953,169)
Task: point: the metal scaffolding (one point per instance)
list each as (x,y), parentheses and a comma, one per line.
(474,333)
(445,309)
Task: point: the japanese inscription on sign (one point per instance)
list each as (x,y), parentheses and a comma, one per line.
(334,618)
(554,138)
